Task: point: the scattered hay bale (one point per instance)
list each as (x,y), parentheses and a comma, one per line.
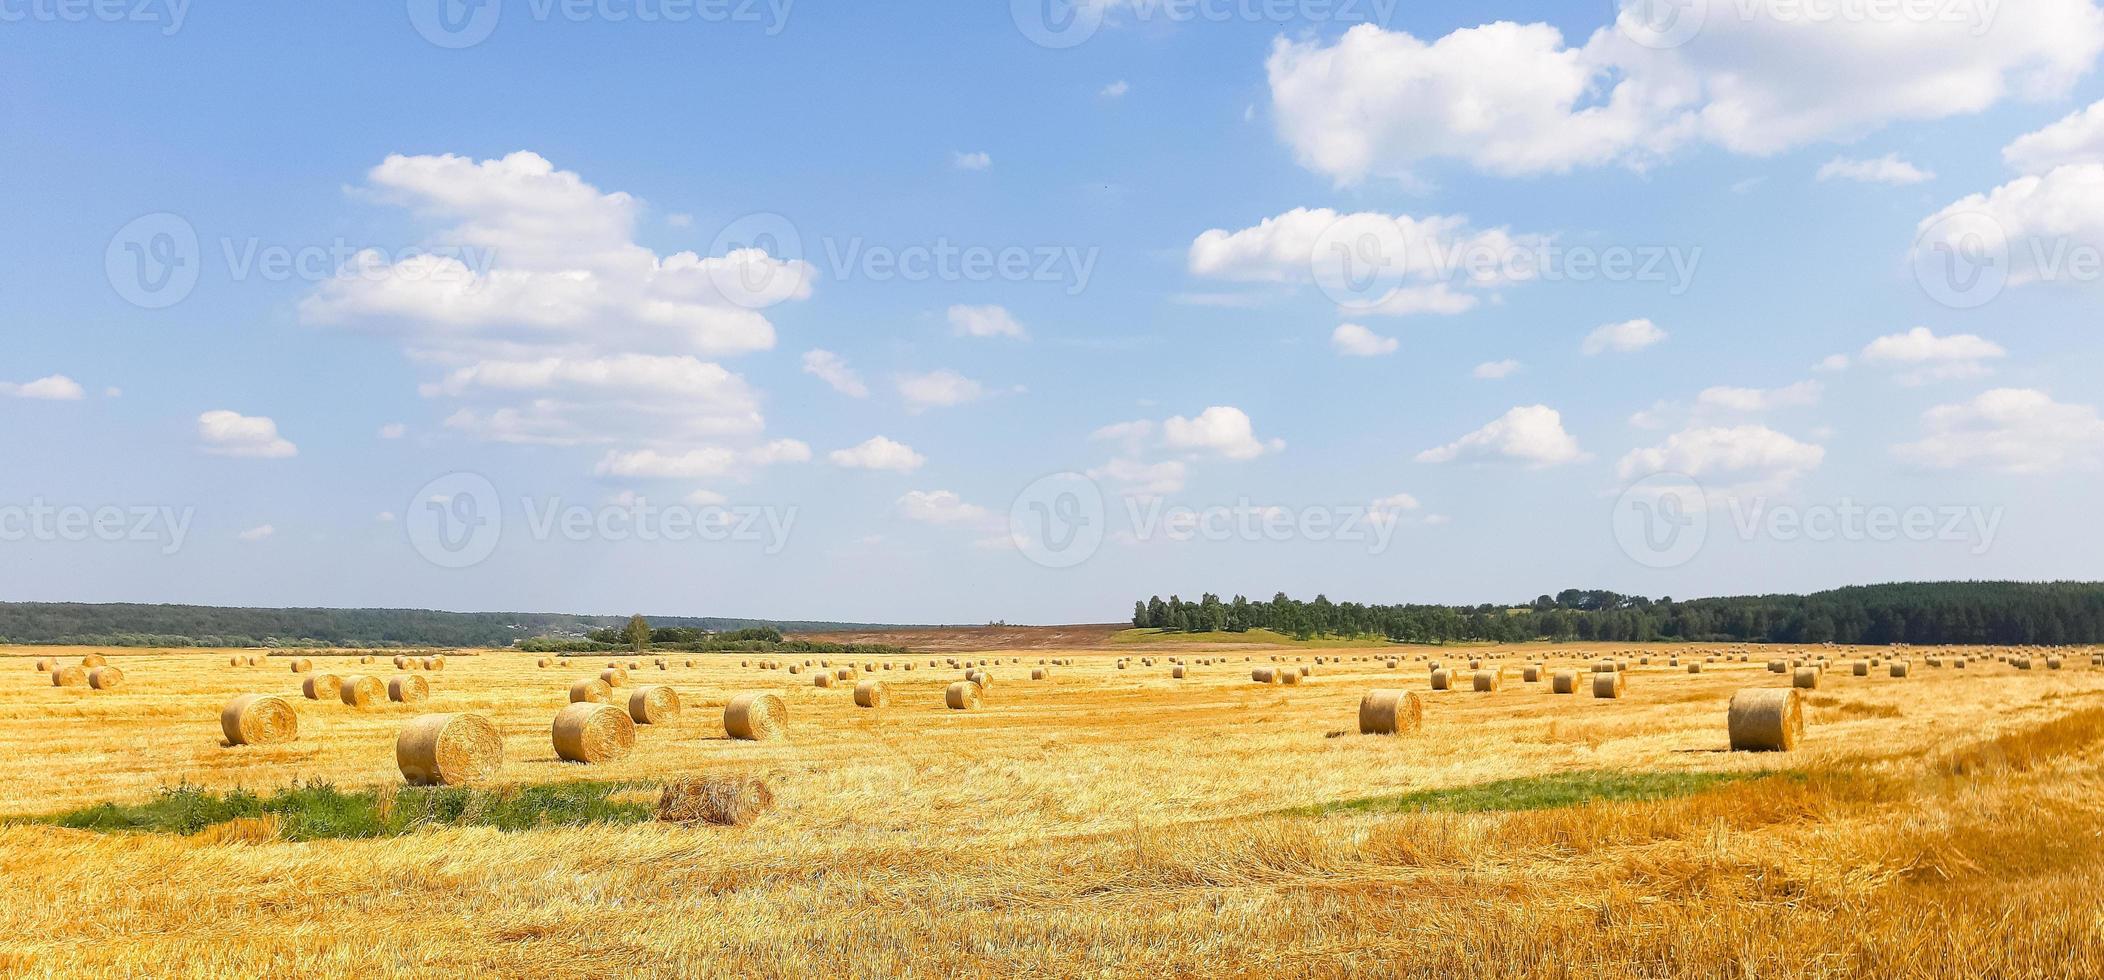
(401,662)
(1175,673)
(437,662)
(2052,663)
(591,690)
(1442,679)
(756,717)
(255,661)
(980,677)
(1291,678)
(322,687)
(1861,668)
(1806,678)
(725,801)
(448,750)
(1530,674)
(593,733)
(1264,675)
(1694,666)
(822,680)
(259,719)
(1778,667)
(871,694)
(963,696)
(408,689)
(846,674)
(655,704)
(1564,682)
(544,662)
(360,690)
(302,665)
(94,660)
(1038,673)
(44,664)
(69,677)
(614,677)
(105,678)
(1610,685)
(1898,668)
(1766,719)
(1489,680)
(1386,711)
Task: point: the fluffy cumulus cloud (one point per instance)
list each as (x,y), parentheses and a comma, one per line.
(2078,139)
(944,507)
(56,388)
(1920,357)
(1519,99)
(1530,434)
(985,321)
(1155,457)
(2041,228)
(2010,430)
(938,389)
(1737,459)
(226,433)
(1134,477)
(1887,169)
(1222,430)
(705,462)
(879,453)
(1623,338)
(832,369)
(1803,394)
(579,400)
(1371,262)
(1494,370)
(257,533)
(1353,340)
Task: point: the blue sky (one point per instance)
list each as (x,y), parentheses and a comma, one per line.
(1788,350)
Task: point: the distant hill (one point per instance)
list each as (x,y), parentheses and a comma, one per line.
(129,624)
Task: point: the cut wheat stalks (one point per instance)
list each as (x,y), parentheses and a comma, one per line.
(725,801)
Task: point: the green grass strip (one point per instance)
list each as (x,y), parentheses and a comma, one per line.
(319,811)
(1539,793)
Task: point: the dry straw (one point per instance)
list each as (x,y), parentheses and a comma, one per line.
(448,750)
(322,686)
(653,705)
(756,717)
(963,696)
(871,694)
(408,689)
(360,690)
(591,690)
(1766,719)
(1390,712)
(593,733)
(105,678)
(725,801)
(259,719)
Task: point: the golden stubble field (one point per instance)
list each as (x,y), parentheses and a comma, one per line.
(1105,822)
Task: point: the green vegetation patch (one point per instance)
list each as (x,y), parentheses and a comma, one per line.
(319,811)
(1540,793)
(1255,637)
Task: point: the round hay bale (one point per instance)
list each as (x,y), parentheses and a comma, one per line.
(591,690)
(2052,663)
(544,661)
(1489,680)
(1898,668)
(822,680)
(94,660)
(1390,712)
(1861,668)
(796,668)
(1778,667)
(255,661)
(408,689)
(302,665)
(1694,666)
(105,678)
(69,677)
(756,717)
(963,696)
(1264,675)
(1442,679)
(1564,682)
(259,719)
(1176,672)
(1291,677)
(1806,678)
(368,658)
(360,690)
(1530,674)
(871,694)
(448,750)
(1766,719)
(725,801)
(401,662)
(846,674)
(1610,685)
(655,704)
(1036,673)
(437,662)
(614,677)
(322,687)
(593,733)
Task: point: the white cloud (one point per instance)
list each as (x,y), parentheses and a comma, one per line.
(580,400)
(1741,459)
(972,161)
(879,453)
(384,517)
(1493,370)
(225,433)
(943,507)
(1136,478)
(393,430)
(832,369)
(984,321)
(1221,430)
(1353,340)
(2011,430)
(56,388)
(1920,357)
(1833,362)
(1392,508)
(1531,434)
(1115,90)
(938,389)
(1758,79)
(2044,224)
(2077,139)
(1800,395)
(1623,338)
(257,533)
(1887,169)
(1397,265)
(706,462)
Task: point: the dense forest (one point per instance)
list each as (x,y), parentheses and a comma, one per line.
(1921,613)
(121,625)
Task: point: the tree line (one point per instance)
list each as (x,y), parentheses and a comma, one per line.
(1925,613)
